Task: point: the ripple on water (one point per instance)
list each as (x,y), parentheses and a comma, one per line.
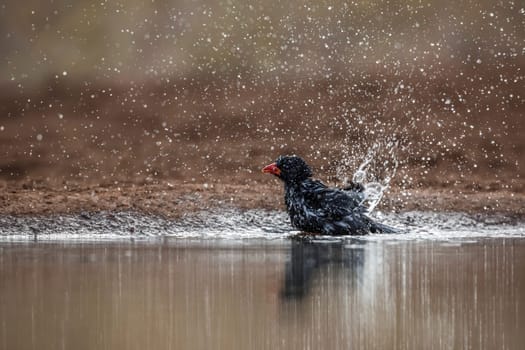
(235,224)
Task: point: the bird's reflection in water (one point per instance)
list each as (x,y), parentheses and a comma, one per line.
(308,257)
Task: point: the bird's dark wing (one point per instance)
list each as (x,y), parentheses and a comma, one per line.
(332,203)
(333,211)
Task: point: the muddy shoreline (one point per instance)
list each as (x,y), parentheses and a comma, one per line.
(195,148)
(173,199)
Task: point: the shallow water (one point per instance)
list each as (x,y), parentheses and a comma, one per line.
(235,280)
(270,294)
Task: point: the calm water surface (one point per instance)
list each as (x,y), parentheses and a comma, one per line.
(182,294)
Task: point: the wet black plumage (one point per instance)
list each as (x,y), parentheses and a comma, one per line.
(316,208)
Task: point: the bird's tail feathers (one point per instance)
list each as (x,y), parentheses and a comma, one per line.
(376,227)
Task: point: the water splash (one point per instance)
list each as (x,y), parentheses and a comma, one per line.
(374,173)
(373,136)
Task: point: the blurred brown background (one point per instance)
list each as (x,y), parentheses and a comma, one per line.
(210,91)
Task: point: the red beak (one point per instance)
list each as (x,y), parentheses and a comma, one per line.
(272,169)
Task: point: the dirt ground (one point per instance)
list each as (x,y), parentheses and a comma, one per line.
(173,199)
(196,144)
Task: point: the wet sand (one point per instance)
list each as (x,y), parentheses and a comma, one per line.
(263,295)
(173,199)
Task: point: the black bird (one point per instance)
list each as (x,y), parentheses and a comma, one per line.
(315,208)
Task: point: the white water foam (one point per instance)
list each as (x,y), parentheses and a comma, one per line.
(251,224)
